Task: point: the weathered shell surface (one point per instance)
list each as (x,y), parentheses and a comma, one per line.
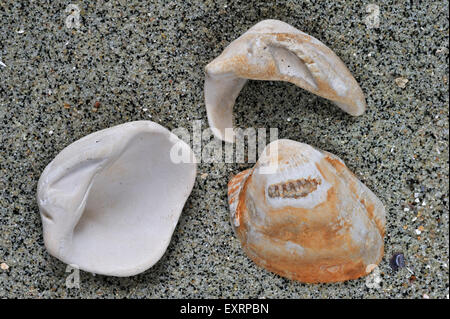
(110,201)
(310,219)
(274,50)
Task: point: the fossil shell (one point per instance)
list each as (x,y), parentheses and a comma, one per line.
(309,218)
(275,51)
(110,201)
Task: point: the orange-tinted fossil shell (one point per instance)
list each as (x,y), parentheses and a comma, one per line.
(301,213)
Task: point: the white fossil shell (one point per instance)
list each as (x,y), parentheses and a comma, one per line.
(275,51)
(309,218)
(110,201)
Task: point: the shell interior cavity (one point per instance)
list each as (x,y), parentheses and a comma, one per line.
(275,51)
(310,219)
(110,201)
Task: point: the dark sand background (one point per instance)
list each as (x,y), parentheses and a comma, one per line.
(133,61)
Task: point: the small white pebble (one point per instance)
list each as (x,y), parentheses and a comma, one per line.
(20,31)
(288,119)
(401,82)
(50,132)
(2,64)
(417,200)
(4,266)
(427,266)
(425,296)
(145,109)
(418,232)
(441,50)
(416,195)
(414,219)
(406,209)
(423,203)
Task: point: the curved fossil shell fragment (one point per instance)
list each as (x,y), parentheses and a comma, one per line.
(309,219)
(275,51)
(110,201)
